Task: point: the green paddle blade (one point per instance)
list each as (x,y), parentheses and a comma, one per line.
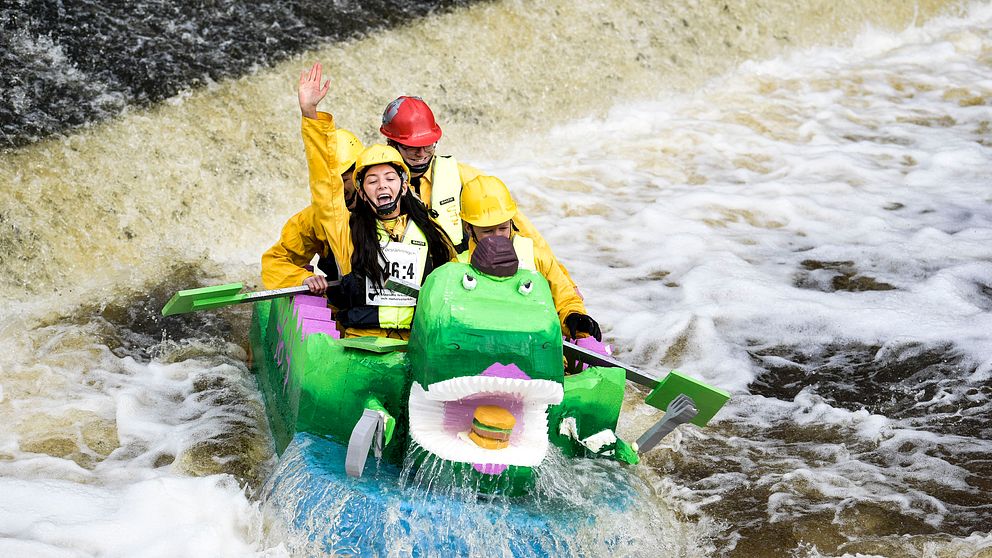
(708,399)
(199,299)
(374,344)
(206,298)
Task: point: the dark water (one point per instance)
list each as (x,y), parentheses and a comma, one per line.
(67,63)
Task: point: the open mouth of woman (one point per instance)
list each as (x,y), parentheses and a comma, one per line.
(445,421)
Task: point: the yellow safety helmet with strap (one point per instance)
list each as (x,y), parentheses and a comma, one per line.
(349,148)
(379,154)
(486,202)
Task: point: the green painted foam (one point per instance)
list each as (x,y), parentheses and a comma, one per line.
(461,332)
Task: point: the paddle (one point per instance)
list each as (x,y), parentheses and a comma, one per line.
(217,296)
(684,399)
(587,356)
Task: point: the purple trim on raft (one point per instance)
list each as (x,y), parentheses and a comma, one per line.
(489,468)
(309,300)
(505,371)
(591,344)
(313,316)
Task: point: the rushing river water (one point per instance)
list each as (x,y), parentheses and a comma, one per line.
(790,200)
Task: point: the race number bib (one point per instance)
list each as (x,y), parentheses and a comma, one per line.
(401,263)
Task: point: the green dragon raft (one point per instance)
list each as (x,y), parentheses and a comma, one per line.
(479,393)
(477,341)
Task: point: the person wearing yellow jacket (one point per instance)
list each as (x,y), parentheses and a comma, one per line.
(389,233)
(285,263)
(489,210)
(409,126)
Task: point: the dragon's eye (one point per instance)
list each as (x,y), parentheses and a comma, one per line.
(526,287)
(469,282)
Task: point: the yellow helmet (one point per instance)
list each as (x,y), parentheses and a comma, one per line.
(486,202)
(349,148)
(379,154)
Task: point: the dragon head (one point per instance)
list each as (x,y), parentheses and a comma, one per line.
(485,342)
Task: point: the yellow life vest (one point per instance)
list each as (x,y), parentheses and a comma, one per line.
(446,197)
(384,308)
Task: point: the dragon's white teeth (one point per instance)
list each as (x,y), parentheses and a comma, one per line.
(427,427)
(541,392)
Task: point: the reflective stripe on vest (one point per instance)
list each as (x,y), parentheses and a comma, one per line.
(446,197)
(522,246)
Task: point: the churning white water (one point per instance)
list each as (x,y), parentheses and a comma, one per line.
(810,231)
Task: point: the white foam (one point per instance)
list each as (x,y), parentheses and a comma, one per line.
(160,516)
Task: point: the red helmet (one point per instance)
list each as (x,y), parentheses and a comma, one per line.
(409,121)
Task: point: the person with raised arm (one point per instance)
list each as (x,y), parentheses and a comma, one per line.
(389,232)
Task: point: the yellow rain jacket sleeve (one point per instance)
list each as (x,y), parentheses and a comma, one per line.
(330,218)
(563,292)
(528,229)
(283,264)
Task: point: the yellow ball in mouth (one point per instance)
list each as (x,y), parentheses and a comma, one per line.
(491,427)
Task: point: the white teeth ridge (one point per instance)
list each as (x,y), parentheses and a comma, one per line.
(529,443)
(543,392)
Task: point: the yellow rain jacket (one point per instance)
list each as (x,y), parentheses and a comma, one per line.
(467,173)
(566,299)
(283,265)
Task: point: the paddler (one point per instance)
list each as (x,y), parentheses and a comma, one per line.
(388,233)
(489,211)
(409,126)
(286,263)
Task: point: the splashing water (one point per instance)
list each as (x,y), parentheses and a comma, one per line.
(778,199)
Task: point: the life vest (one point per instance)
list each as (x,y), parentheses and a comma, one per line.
(524,248)
(446,198)
(362,305)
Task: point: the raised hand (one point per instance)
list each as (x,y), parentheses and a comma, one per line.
(311,91)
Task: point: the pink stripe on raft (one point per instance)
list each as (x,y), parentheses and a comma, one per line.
(315,326)
(320,314)
(313,316)
(309,300)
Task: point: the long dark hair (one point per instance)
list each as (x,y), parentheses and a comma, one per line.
(367,252)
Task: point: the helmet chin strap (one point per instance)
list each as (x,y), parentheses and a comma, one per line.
(388,208)
(420,169)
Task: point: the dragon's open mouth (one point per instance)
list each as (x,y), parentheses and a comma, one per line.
(441,417)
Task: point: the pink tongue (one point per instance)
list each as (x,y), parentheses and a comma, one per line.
(489,468)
